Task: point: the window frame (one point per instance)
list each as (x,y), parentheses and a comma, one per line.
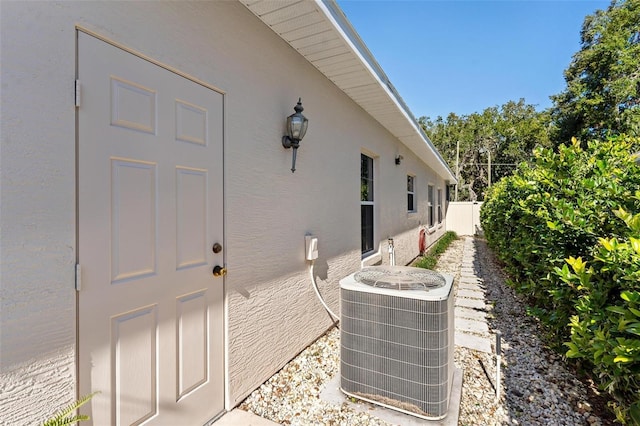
(369,204)
(411,195)
(439,201)
(430,206)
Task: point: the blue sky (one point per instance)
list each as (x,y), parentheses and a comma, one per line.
(464,56)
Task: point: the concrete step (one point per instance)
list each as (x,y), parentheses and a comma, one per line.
(470,279)
(471,294)
(472,326)
(470,303)
(473,314)
(470,286)
(470,341)
(239,417)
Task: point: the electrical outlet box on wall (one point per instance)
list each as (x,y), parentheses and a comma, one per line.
(311,247)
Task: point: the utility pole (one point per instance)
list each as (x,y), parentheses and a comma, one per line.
(489,167)
(482,151)
(457,167)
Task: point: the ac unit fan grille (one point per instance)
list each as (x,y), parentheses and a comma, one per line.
(400,278)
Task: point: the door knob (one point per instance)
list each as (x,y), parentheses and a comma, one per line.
(219,271)
(217,248)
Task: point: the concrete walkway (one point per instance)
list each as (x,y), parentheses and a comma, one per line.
(471,310)
(237,417)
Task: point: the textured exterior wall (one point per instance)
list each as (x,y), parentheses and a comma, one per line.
(37,216)
(273,313)
(34,390)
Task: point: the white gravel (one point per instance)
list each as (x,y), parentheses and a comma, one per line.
(536,387)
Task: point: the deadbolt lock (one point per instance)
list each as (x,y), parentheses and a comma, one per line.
(219,271)
(217,248)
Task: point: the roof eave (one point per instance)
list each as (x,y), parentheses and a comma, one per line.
(332,45)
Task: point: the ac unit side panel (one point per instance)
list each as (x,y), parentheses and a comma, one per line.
(430,402)
(402,312)
(451,340)
(396,320)
(397,350)
(429,356)
(434,372)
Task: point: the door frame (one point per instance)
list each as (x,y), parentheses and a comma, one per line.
(78,97)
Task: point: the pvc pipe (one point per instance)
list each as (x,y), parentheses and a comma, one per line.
(315,288)
(498,357)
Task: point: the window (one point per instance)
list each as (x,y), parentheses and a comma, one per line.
(439,205)
(366,202)
(411,199)
(430,205)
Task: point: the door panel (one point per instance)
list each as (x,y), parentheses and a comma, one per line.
(192,335)
(134,361)
(192,201)
(149,211)
(133,219)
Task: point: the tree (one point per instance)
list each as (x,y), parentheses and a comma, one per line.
(509,133)
(603,80)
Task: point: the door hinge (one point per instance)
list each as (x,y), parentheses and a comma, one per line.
(78,277)
(77,97)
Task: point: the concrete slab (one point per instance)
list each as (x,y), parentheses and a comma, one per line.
(461,312)
(471,283)
(474,342)
(470,303)
(468,266)
(239,417)
(470,279)
(473,326)
(470,293)
(472,287)
(332,394)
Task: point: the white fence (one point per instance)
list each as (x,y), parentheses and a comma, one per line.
(463,217)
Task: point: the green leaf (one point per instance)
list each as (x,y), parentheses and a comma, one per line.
(577,264)
(617,309)
(634,412)
(65,416)
(622,359)
(607,244)
(573,351)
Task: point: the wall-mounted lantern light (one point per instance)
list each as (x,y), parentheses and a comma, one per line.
(296,129)
(399,159)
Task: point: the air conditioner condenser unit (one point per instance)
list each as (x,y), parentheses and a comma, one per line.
(397,339)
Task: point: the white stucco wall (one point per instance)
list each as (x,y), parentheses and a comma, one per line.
(273,313)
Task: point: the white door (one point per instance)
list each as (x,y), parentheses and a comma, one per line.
(149,213)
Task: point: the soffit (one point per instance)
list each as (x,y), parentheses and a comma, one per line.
(320,32)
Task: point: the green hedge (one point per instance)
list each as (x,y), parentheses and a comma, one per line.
(566,228)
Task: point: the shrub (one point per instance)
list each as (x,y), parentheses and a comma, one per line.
(605,331)
(566,228)
(555,208)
